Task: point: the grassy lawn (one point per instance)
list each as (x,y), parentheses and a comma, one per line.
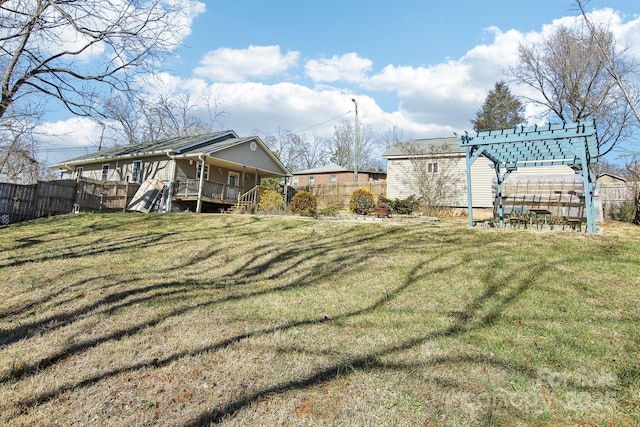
(184,320)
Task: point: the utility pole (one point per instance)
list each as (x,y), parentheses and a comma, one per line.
(355,163)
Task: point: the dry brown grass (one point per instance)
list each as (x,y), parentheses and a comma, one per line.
(183,320)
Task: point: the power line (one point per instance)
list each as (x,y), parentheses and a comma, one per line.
(325,122)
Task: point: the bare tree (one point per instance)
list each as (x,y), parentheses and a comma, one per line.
(18,162)
(71,51)
(392,135)
(610,61)
(138,118)
(570,77)
(314,152)
(287,146)
(342,145)
(430,175)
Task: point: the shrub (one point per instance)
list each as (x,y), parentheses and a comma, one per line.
(400,206)
(625,212)
(331,210)
(271,202)
(303,203)
(362,201)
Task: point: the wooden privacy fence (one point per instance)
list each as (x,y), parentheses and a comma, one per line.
(340,193)
(23,202)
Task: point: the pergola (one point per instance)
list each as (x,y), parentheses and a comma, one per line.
(573,144)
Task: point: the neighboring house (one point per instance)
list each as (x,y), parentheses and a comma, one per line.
(430,164)
(333,174)
(233,166)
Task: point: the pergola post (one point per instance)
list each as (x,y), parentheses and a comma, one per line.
(589,204)
(469,200)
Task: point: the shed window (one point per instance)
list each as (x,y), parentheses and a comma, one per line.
(105,172)
(312,179)
(333,178)
(295,181)
(432,167)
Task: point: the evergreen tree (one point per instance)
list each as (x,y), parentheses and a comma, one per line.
(501,110)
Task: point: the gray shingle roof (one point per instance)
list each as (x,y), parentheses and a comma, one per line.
(448,145)
(175,144)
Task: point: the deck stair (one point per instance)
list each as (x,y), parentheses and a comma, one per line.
(248,202)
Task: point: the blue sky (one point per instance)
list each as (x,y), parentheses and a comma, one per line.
(422,66)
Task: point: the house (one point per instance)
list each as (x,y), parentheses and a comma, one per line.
(204,173)
(333,174)
(436,168)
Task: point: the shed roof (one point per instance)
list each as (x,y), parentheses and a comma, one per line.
(427,146)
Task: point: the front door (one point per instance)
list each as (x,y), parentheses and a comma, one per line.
(233,186)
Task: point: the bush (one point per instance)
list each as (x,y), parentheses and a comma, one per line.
(271,202)
(331,210)
(400,206)
(362,201)
(303,203)
(625,212)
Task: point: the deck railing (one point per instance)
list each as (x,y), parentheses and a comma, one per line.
(210,190)
(249,200)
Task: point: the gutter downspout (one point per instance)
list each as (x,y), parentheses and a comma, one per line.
(172,180)
(199,203)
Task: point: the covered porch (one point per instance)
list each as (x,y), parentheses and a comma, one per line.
(223,186)
(213,192)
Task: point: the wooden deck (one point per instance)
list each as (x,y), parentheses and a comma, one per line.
(213,192)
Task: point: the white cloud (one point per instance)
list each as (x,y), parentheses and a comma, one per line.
(428,101)
(236,65)
(349,67)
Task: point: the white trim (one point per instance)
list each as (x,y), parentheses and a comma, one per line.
(206,171)
(139,176)
(236,175)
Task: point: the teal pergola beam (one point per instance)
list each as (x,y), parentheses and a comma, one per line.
(573,144)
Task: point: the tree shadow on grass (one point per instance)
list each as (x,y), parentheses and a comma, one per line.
(373,360)
(267,263)
(118,300)
(470,321)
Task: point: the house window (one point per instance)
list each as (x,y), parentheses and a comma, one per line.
(105,172)
(333,178)
(295,181)
(136,175)
(206,171)
(432,167)
(234,178)
(312,179)
(79,172)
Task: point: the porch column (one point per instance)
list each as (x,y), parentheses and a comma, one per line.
(200,185)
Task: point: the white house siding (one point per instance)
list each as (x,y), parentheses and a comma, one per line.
(399,172)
